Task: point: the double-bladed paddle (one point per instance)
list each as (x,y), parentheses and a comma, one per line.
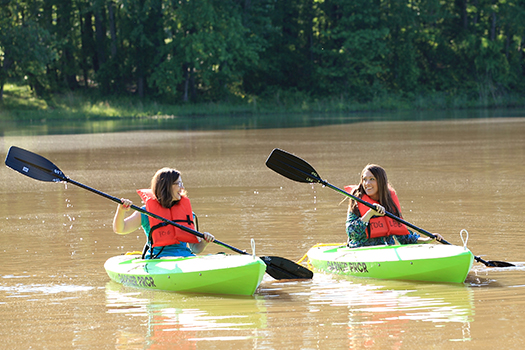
(297,169)
(39,168)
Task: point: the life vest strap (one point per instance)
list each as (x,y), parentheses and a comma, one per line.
(150,235)
(147,247)
(162,224)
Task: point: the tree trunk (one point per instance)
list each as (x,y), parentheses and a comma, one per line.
(464,14)
(140,86)
(112,30)
(3,73)
(100,38)
(193,88)
(186,83)
(476,16)
(493,27)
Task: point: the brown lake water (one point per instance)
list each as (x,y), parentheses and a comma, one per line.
(450,174)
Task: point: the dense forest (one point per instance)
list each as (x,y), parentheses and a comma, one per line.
(232,50)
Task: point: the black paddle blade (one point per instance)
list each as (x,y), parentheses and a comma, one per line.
(32,165)
(494,263)
(292,167)
(284,269)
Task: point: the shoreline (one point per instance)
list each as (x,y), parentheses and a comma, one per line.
(21,104)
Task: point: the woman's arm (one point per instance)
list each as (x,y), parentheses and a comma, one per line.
(123,225)
(430,239)
(378,211)
(355,228)
(198,248)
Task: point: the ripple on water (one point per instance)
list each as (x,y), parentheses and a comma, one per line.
(26,290)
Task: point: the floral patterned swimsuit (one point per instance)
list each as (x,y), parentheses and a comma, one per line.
(357,235)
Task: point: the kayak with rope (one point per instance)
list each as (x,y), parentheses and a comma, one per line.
(209,274)
(413,262)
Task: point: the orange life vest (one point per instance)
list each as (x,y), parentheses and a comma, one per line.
(162,234)
(380,226)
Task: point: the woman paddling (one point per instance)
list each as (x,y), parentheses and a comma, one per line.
(166,198)
(366,226)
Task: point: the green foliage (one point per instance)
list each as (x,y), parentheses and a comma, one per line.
(25,47)
(282,52)
(352,47)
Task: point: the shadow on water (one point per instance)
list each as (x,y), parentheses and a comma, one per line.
(228,122)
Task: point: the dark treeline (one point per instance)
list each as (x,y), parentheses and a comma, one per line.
(225,50)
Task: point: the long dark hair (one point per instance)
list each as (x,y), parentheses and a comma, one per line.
(383,190)
(161,184)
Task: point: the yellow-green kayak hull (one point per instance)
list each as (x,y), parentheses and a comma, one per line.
(210,274)
(421,262)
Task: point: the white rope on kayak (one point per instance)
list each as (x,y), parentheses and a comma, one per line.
(464,239)
(253,248)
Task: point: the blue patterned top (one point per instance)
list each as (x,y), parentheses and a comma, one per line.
(357,235)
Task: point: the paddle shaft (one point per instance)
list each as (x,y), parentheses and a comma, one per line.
(298,169)
(139,209)
(40,168)
(277,267)
(390,215)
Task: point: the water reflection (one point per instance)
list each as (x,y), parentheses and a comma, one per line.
(392,301)
(180,321)
(241,121)
(325,310)
(344,312)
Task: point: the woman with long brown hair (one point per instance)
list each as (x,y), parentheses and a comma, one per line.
(366,226)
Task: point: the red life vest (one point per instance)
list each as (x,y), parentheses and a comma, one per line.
(161,233)
(380,226)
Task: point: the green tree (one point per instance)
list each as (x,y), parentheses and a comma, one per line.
(352,48)
(142,31)
(285,31)
(206,51)
(211,50)
(25,47)
(513,22)
(401,59)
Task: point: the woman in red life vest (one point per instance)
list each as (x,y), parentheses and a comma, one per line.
(166,198)
(366,226)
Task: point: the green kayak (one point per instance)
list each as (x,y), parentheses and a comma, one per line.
(211,274)
(417,262)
